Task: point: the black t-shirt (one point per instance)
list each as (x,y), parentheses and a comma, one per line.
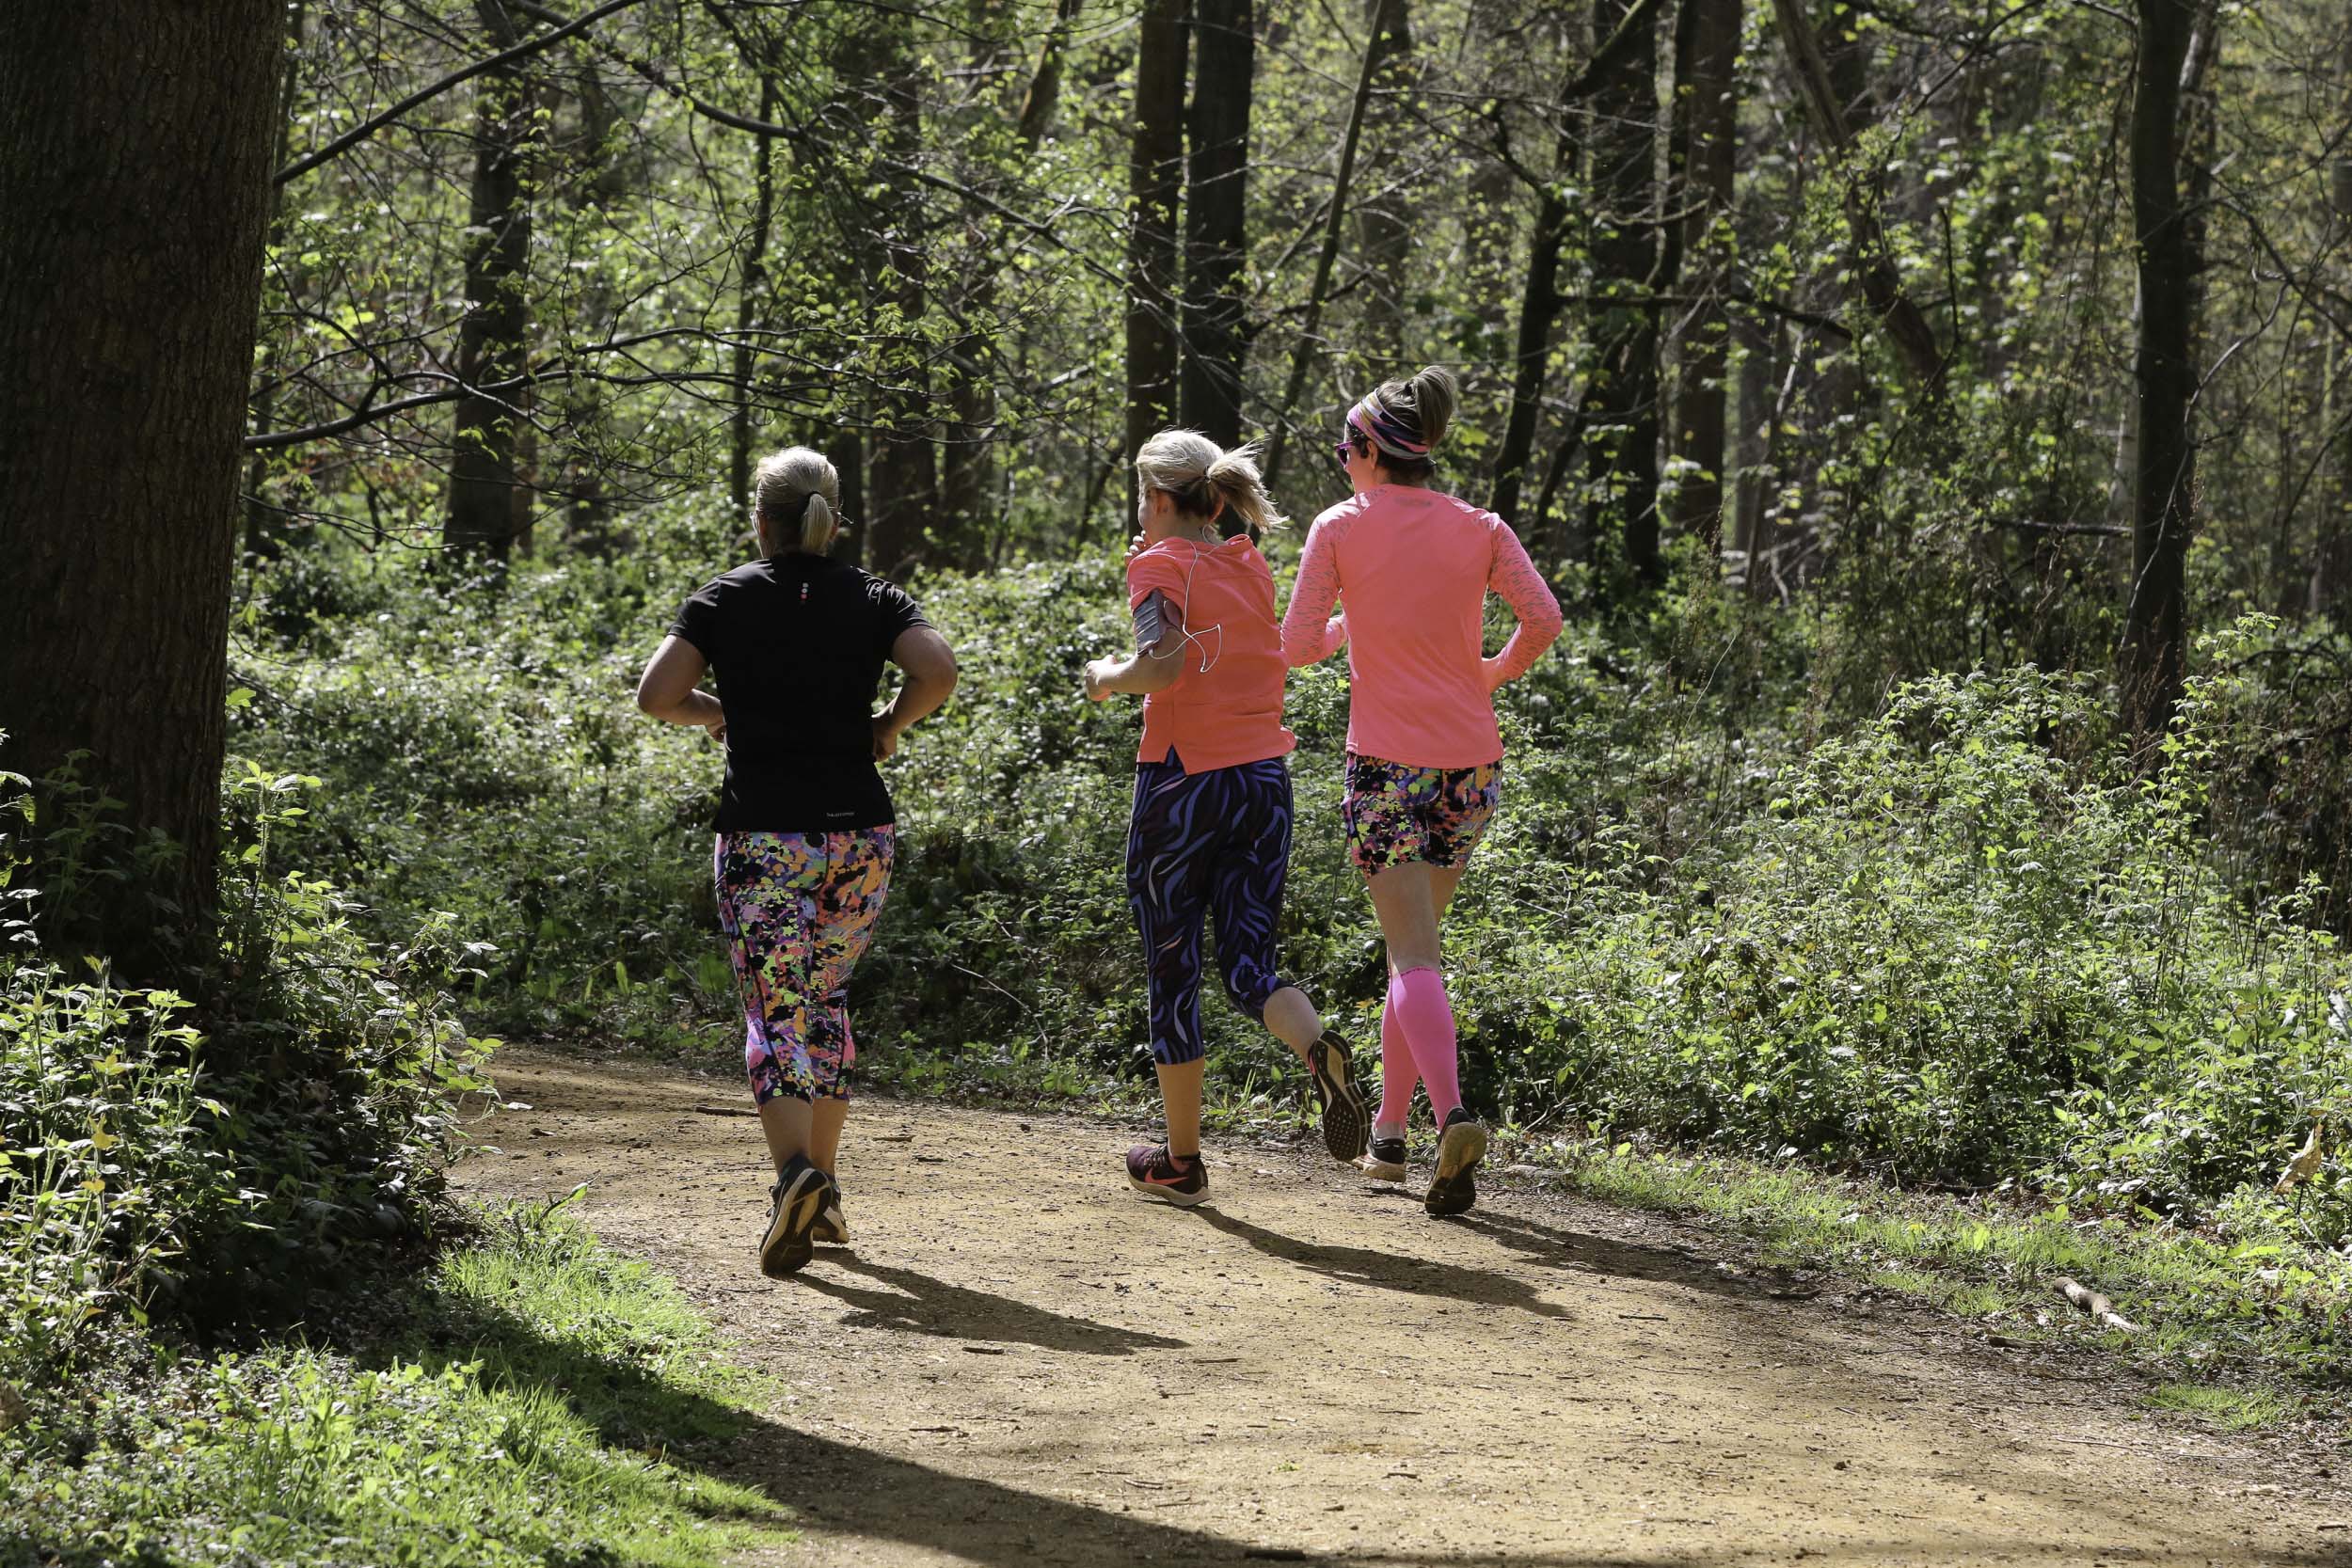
(797,642)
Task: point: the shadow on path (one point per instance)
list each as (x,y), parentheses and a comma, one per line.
(1576,1249)
(1420,1277)
(918,1304)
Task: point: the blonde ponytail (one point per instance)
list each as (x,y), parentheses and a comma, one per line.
(1235,479)
(1207,481)
(815,525)
(796,496)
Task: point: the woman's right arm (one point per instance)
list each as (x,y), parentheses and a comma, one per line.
(1310,632)
(930,675)
(670,688)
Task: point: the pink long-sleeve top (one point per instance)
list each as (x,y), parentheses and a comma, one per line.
(1413,567)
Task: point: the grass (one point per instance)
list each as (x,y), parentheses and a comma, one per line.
(536,1400)
(2253,1331)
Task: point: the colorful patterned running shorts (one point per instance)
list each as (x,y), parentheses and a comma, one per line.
(799,912)
(1397,814)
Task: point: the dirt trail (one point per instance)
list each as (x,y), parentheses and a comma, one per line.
(1022,1364)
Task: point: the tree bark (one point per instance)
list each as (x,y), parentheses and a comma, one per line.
(1384,232)
(1706,137)
(1539,306)
(1155,172)
(1216,241)
(262,533)
(1039,105)
(1302,363)
(902,480)
(1881,286)
(1539,301)
(2152,654)
(489,502)
(748,292)
(1620,415)
(134,163)
(2332,563)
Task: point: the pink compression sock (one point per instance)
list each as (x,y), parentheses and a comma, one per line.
(1418,999)
(1398,1076)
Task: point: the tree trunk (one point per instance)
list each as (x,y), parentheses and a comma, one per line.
(1882,290)
(1155,172)
(263,531)
(1038,105)
(902,482)
(1706,137)
(1383,223)
(1619,417)
(1539,306)
(2152,656)
(1215,242)
(1302,363)
(748,291)
(489,505)
(2331,563)
(134,178)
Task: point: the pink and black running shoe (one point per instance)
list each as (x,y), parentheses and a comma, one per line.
(1154,1173)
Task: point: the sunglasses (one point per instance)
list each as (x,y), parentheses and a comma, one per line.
(1344,445)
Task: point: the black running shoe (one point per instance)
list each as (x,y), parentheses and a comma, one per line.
(830,1229)
(798,1197)
(1460,1146)
(1153,1172)
(1383,1160)
(1345,1123)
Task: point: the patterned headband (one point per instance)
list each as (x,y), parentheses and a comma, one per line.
(1392,436)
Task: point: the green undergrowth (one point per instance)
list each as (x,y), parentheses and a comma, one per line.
(533,1399)
(2245,1330)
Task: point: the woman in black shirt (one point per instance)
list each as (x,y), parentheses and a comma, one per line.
(805,828)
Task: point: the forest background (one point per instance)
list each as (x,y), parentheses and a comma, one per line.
(1936,419)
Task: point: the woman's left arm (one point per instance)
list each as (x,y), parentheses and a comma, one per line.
(671,689)
(1523,588)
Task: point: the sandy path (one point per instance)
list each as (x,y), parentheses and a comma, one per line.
(1037,1367)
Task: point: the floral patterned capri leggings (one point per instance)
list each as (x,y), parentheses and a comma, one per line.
(799,912)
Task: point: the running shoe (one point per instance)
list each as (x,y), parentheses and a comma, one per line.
(1344,1122)
(1152,1172)
(1460,1146)
(797,1196)
(830,1229)
(1383,1160)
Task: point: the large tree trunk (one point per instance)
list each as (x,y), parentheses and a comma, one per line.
(902,482)
(2331,563)
(489,504)
(1216,174)
(749,291)
(1620,419)
(1384,222)
(1706,137)
(2163,484)
(135,164)
(1155,172)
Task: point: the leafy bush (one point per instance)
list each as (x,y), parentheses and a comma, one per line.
(1959,942)
(219,1167)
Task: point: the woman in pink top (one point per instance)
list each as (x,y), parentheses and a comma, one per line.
(1424,758)
(1211,831)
